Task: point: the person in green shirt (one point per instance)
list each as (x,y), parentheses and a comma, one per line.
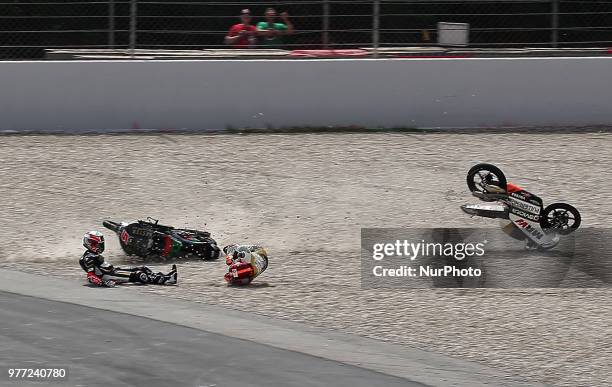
(270,32)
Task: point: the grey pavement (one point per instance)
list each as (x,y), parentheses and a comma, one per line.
(124,326)
(103,348)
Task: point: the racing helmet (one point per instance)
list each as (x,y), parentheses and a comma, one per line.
(229,249)
(94,241)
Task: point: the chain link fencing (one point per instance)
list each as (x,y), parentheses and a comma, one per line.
(28,28)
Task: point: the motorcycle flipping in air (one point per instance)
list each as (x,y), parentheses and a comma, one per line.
(541,227)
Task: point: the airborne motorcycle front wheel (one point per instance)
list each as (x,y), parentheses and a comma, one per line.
(482,175)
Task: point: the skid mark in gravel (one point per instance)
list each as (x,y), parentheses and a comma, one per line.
(313,193)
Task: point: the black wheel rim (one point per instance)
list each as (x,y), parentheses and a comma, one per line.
(561,218)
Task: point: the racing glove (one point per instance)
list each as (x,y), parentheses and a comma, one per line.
(92,278)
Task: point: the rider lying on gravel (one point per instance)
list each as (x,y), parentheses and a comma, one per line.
(104,274)
(245,263)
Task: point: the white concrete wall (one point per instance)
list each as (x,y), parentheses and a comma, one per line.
(256,94)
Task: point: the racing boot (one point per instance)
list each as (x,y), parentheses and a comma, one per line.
(173,280)
(166,279)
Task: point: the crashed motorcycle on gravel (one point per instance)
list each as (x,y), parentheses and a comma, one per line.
(540,226)
(149,239)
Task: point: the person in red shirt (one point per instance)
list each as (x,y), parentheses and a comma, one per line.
(242,35)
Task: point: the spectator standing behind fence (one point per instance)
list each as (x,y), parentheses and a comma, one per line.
(270,32)
(242,35)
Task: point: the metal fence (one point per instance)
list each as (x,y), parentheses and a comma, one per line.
(27,28)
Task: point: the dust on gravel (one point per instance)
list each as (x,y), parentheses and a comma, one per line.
(305,197)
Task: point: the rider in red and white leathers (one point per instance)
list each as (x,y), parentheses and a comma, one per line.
(245,263)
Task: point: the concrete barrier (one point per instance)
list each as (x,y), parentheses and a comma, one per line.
(220,94)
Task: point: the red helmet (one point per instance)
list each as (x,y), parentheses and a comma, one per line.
(94,241)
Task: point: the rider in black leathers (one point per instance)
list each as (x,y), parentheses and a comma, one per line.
(105,274)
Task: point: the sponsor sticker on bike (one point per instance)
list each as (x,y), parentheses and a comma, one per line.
(525,206)
(522,223)
(526,215)
(125,237)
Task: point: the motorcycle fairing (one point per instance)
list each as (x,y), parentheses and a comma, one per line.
(149,238)
(525,205)
(534,232)
(137,238)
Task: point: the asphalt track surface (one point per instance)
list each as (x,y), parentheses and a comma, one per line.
(103,348)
